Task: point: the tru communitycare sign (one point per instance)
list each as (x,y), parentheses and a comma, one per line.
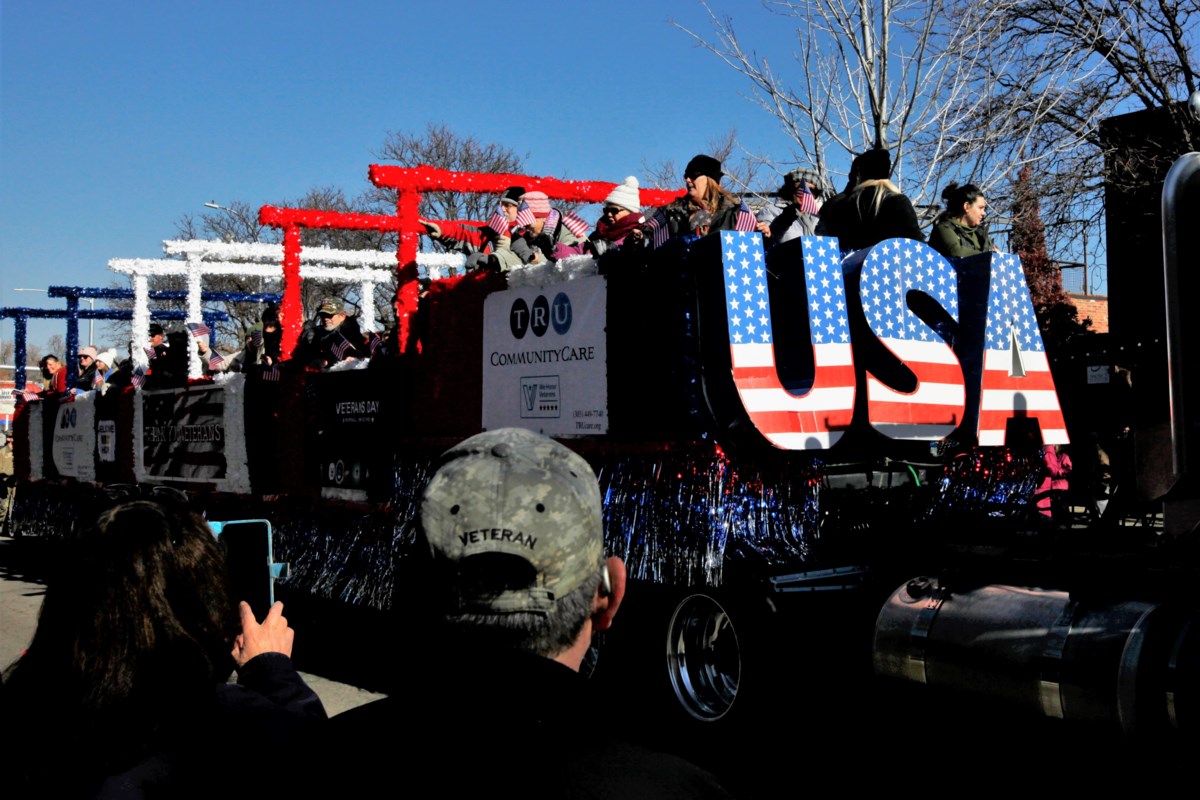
(544,359)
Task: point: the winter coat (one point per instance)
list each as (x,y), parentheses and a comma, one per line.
(854,219)
(787,221)
(953,239)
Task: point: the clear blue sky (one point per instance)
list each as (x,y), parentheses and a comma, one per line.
(118,117)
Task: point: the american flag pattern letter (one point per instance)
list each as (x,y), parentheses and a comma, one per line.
(932,411)
(817,419)
(1016,373)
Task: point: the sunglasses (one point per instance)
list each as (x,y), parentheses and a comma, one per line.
(85,358)
(612,211)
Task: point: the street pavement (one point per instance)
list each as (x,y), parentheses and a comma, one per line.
(22,587)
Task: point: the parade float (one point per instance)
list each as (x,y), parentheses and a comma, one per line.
(782,437)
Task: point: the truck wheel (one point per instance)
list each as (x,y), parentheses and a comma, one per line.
(704,661)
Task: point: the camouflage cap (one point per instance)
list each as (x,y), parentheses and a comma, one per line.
(512,491)
(331,306)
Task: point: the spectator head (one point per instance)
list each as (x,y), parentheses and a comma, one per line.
(332,313)
(965,203)
(139,618)
(106,360)
(156,334)
(87,357)
(513,522)
(623,199)
(800,180)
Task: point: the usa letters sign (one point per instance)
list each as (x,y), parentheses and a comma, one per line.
(893,308)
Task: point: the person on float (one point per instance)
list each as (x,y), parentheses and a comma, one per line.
(332,336)
(702,180)
(622,213)
(123,691)
(959,231)
(87,369)
(54,377)
(535,242)
(794,211)
(871,209)
(106,367)
(480,243)
(264,343)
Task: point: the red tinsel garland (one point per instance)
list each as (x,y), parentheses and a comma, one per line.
(292,311)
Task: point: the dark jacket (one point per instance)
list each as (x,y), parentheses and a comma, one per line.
(954,240)
(678,214)
(319,348)
(857,222)
(494,724)
(223,747)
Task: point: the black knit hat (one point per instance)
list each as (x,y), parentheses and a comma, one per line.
(704,165)
(513,194)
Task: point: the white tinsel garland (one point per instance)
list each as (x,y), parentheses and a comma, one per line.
(567,269)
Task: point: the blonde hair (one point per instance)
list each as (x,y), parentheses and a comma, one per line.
(888,186)
(714,194)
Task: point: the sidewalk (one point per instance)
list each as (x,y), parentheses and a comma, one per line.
(21,591)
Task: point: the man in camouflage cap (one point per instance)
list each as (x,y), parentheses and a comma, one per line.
(512,523)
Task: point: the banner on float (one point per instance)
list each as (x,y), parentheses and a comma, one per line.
(545,360)
(351,422)
(73,440)
(183,435)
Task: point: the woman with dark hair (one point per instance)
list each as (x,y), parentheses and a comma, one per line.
(123,693)
(958,231)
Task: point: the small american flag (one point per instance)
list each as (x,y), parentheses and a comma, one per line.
(807,203)
(1016,372)
(270,373)
(524,215)
(341,347)
(97,380)
(744,221)
(891,272)
(215,359)
(151,354)
(816,419)
(658,229)
(375,342)
(256,338)
(199,329)
(575,224)
(24,394)
(498,222)
(138,378)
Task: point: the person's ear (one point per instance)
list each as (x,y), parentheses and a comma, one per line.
(607,602)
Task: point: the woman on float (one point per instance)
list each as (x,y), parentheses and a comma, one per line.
(123,692)
(959,231)
(702,179)
(622,213)
(871,209)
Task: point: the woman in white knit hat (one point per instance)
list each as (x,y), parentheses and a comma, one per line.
(621,214)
